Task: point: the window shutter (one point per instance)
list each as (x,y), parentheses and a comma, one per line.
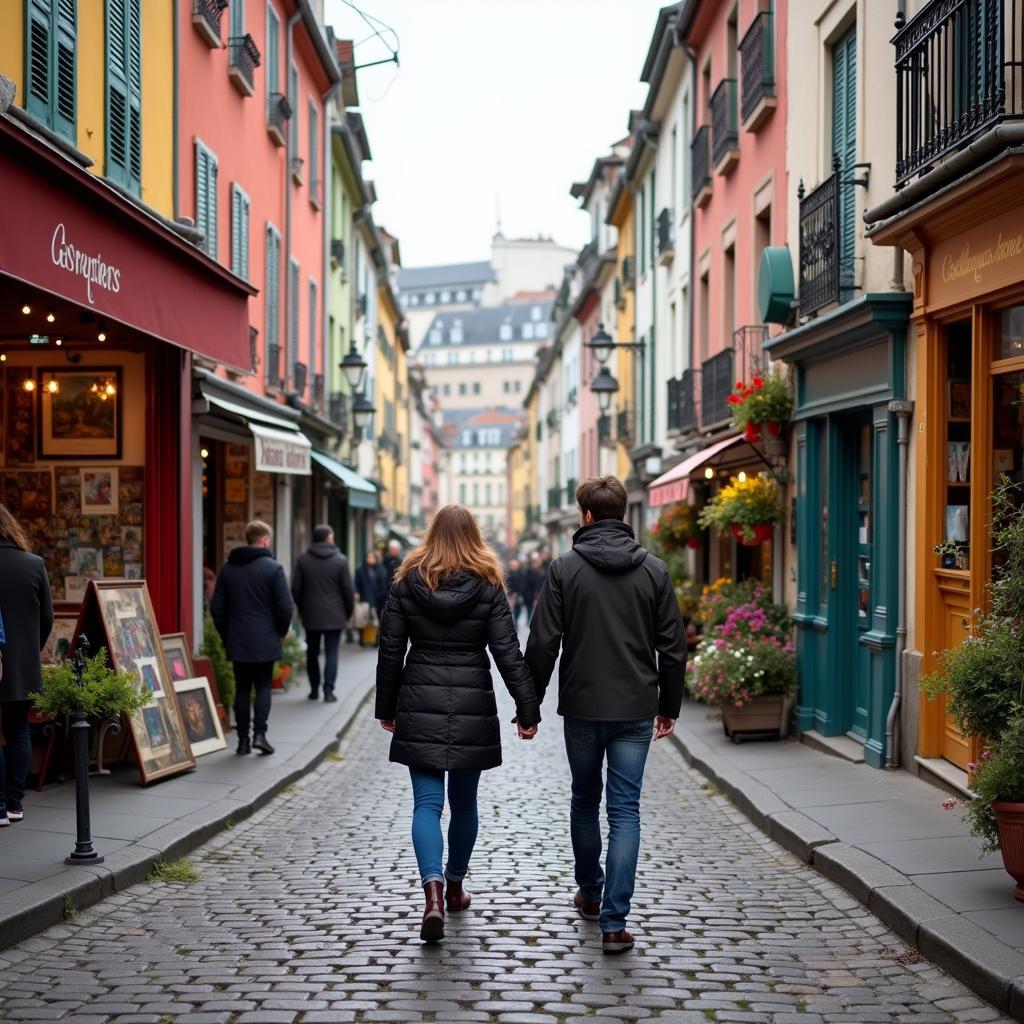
(124,93)
(237,18)
(293,98)
(293,312)
(314,170)
(134,39)
(312,325)
(64,100)
(844,144)
(211,205)
(203,193)
(273,71)
(244,238)
(37,58)
(236,230)
(273,289)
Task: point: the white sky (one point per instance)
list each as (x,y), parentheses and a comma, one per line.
(493,99)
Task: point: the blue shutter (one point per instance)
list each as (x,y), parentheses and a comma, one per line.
(844,145)
(239,232)
(273,37)
(206,197)
(237,18)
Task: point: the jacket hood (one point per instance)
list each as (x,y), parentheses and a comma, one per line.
(247,554)
(452,599)
(609,545)
(324,549)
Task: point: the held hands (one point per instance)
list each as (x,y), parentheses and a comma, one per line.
(387,724)
(524,733)
(663,726)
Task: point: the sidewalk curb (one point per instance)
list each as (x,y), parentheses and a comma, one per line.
(37,907)
(992,969)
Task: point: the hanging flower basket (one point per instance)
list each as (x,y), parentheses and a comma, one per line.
(762,533)
(677,528)
(763,402)
(773,428)
(693,543)
(752,432)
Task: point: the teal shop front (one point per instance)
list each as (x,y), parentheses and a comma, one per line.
(850,369)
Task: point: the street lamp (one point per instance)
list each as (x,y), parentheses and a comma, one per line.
(601,344)
(604,385)
(362,410)
(354,368)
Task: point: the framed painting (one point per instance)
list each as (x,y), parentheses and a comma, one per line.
(58,644)
(80,412)
(179,658)
(99,491)
(124,612)
(199,713)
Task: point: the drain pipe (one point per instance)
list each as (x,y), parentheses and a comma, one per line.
(902,409)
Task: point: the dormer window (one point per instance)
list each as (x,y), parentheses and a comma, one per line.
(455,335)
(536,313)
(527,331)
(435,336)
(505,332)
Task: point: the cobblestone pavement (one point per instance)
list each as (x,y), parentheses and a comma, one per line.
(309,911)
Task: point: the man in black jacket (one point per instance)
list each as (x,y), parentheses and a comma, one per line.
(252,610)
(322,589)
(611,608)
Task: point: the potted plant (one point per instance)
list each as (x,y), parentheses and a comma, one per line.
(749,506)
(676,528)
(294,651)
(103,693)
(947,552)
(747,666)
(765,403)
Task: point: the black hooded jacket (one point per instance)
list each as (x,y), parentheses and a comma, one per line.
(611,608)
(441,695)
(322,587)
(251,605)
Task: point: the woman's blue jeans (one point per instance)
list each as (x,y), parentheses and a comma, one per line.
(428,803)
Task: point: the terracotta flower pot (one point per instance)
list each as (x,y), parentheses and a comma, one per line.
(281,677)
(767,715)
(773,428)
(762,534)
(1010,819)
(752,431)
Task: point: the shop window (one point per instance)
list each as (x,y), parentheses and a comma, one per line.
(124,93)
(206,197)
(240,206)
(1011,335)
(824,555)
(956,525)
(50,64)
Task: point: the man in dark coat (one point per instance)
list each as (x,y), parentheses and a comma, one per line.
(27,612)
(519,588)
(612,609)
(322,589)
(252,610)
(392,560)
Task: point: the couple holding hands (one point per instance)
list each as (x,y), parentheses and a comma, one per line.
(610,608)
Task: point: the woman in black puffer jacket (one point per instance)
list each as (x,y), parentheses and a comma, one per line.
(448,602)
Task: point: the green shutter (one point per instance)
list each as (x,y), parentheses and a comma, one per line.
(237,18)
(293,99)
(239,232)
(206,197)
(50,70)
(844,145)
(124,93)
(314,170)
(273,289)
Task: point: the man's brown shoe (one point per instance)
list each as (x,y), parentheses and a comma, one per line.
(456,897)
(432,929)
(590,909)
(616,942)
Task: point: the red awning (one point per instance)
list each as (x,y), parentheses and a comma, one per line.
(69,233)
(675,484)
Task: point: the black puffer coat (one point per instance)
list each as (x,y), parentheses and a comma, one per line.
(441,695)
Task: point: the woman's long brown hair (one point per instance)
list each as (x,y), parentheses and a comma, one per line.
(11,530)
(453,544)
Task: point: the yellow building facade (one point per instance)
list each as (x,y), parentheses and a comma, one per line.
(393,402)
(87,38)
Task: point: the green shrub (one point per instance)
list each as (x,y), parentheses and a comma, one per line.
(213,648)
(103,692)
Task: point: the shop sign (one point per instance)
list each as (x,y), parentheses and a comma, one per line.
(988,256)
(94,270)
(280,451)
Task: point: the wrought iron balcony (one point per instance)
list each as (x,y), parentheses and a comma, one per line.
(279,112)
(318,397)
(361,304)
(273,366)
(570,398)
(666,237)
(717,378)
(555,498)
(628,271)
(819,244)
(681,406)
(337,408)
(748,344)
(299,371)
(700,166)
(254,354)
(725,139)
(570,491)
(553,418)
(757,64)
(243,59)
(958,74)
(338,252)
(206,17)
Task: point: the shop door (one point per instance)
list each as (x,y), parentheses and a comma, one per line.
(851,568)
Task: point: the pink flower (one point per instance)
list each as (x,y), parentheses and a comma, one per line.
(948,804)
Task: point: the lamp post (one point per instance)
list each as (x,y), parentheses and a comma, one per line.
(362,410)
(604,385)
(83,853)
(354,368)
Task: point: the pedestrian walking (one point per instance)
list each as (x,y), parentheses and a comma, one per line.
(535,576)
(323,594)
(252,610)
(610,607)
(519,589)
(372,584)
(26,612)
(392,560)
(448,601)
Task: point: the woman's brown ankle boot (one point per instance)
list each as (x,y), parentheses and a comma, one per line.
(432,929)
(456,897)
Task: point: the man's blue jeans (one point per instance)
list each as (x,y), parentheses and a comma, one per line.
(331,638)
(626,745)
(428,803)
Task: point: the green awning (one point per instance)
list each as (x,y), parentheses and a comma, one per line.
(361,493)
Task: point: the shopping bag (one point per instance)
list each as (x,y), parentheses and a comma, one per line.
(361,615)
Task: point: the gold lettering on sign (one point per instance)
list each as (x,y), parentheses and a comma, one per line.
(974,264)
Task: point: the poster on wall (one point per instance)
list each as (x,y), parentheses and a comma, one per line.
(263,497)
(80,413)
(236,496)
(123,611)
(20,416)
(58,644)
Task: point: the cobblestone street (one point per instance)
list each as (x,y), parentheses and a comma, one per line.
(309,911)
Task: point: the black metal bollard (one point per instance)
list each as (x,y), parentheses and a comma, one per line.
(83,852)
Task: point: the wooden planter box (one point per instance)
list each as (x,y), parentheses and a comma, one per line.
(763,718)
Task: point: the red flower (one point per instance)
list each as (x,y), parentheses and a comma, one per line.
(739,385)
(758,383)
(734,400)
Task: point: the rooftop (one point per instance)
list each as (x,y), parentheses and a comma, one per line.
(470,274)
(489,325)
(492,427)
